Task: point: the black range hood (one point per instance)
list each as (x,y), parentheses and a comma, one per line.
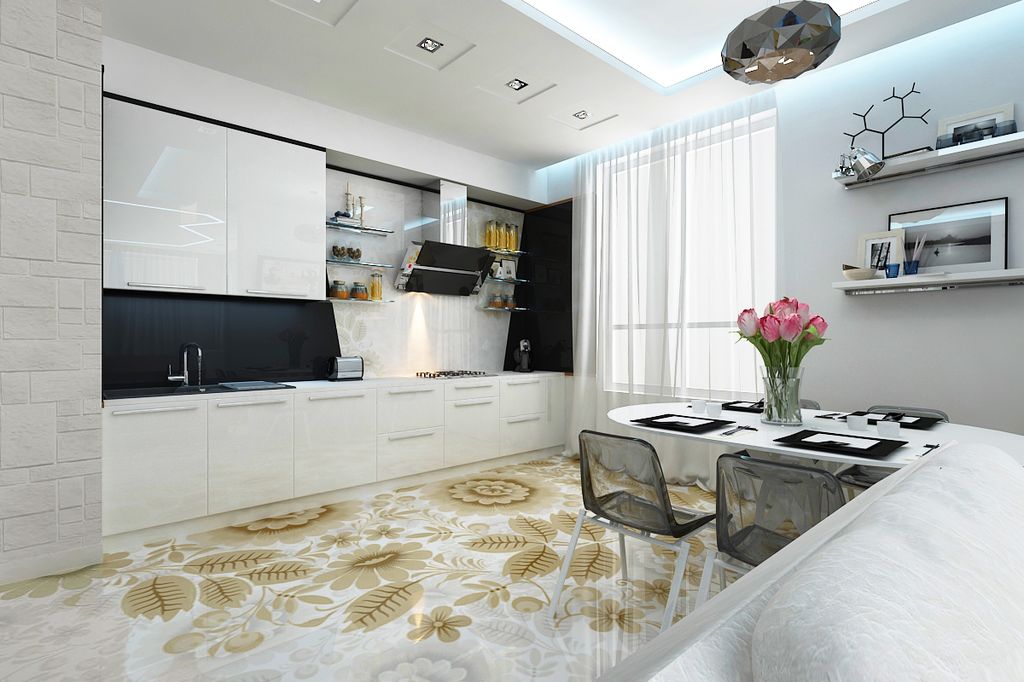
(439,268)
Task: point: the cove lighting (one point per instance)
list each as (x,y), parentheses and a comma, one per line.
(662,43)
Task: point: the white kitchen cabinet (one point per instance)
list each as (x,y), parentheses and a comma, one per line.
(164,201)
(477,387)
(525,394)
(405,408)
(522,433)
(335,440)
(554,424)
(276,208)
(470,430)
(154,464)
(410,452)
(250,451)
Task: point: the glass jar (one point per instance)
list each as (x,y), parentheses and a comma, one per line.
(489,235)
(339,290)
(782,395)
(496,301)
(510,302)
(360,292)
(376,286)
(513,240)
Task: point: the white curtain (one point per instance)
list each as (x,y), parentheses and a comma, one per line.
(674,234)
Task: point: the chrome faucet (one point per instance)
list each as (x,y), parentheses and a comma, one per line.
(183,377)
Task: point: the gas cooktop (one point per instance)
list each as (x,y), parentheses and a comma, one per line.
(453,374)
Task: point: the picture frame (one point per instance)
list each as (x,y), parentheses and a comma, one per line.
(509,266)
(872,242)
(967,237)
(976,125)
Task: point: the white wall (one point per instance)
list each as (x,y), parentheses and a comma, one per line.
(143,74)
(49,287)
(955,350)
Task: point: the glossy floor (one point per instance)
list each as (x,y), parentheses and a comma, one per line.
(442,581)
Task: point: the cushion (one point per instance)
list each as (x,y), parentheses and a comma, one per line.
(926,584)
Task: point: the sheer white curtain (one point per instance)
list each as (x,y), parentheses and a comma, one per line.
(674,234)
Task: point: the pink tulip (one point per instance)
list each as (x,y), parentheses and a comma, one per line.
(770,328)
(783,307)
(790,327)
(804,311)
(819,324)
(748,323)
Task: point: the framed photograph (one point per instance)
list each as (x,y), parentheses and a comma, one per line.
(509,266)
(959,238)
(975,126)
(879,248)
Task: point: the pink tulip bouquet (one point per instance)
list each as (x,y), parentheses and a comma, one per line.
(783,336)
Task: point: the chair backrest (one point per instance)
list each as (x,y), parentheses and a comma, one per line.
(762,505)
(911,411)
(623,482)
(808,404)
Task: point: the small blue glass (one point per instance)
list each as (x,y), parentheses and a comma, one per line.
(892,270)
(910,267)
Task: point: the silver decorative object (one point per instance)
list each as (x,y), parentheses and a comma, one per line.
(865,164)
(782,41)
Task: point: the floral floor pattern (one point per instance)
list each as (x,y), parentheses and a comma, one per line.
(439,582)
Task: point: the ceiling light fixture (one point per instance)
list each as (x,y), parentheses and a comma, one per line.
(782,41)
(430,45)
(517,84)
(582,115)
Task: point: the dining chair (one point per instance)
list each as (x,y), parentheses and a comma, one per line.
(624,490)
(863,477)
(808,404)
(761,506)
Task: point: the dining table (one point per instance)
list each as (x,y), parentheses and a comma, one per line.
(763,437)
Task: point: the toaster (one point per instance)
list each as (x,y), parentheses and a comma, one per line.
(345,368)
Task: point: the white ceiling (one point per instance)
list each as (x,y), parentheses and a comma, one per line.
(360,55)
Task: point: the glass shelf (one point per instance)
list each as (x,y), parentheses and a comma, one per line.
(356,301)
(358,263)
(506,280)
(506,310)
(506,252)
(364,229)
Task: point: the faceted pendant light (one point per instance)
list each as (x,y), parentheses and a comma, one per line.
(781,42)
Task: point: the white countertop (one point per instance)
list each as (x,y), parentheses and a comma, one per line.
(320,385)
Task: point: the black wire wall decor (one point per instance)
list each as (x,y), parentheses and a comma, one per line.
(903,117)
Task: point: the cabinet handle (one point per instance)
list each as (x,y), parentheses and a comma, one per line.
(517,420)
(248,403)
(467,403)
(154,410)
(267,292)
(401,391)
(152,285)
(407,436)
(524,382)
(337,397)
(457,387)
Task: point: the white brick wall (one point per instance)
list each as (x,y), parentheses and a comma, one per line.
(50,288)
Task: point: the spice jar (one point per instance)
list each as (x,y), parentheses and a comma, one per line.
(339,290)
(360,292)
(510,302)
(496,301)
(376,286)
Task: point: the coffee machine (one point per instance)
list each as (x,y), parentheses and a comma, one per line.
(522,357)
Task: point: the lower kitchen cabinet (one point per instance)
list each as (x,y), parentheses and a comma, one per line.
(335,440)
(523,433)
(250,452)
(409,452)
(554,424)
(470,431)
(404,408)
(154,465)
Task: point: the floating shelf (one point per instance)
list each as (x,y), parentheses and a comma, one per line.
(356,301)
(939,282)
(986,151)
(506,280)
(345,227)
(505,310)
(506,252)
(358,263)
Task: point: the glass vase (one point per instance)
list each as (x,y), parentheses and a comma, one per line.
(781,395)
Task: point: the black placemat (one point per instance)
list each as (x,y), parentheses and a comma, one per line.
(919,423)
(664,421)
(744,406)
(834,444)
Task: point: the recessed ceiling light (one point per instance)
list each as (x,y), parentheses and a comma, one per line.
(430,45)
(581,114)
(517,84)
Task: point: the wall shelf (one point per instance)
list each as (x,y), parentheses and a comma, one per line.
(938,282)
(345,227)
(505,310)
(356,301)
(986,151)
(506,252)
(358,263)
(506,280)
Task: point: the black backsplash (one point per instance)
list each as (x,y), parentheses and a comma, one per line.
(547,263)
(243,339)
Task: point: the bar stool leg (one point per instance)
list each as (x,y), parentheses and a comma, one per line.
(622,556)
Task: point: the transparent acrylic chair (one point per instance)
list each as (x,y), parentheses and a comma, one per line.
(624,490)
(863,477)
(762,506)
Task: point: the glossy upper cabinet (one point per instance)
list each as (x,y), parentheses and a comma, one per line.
(276,207)
(164,201)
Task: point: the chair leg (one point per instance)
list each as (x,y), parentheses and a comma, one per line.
(562,574)
(677,580)
(705,577)
(622,556)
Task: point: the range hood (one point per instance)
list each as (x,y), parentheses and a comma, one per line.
(438,268)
